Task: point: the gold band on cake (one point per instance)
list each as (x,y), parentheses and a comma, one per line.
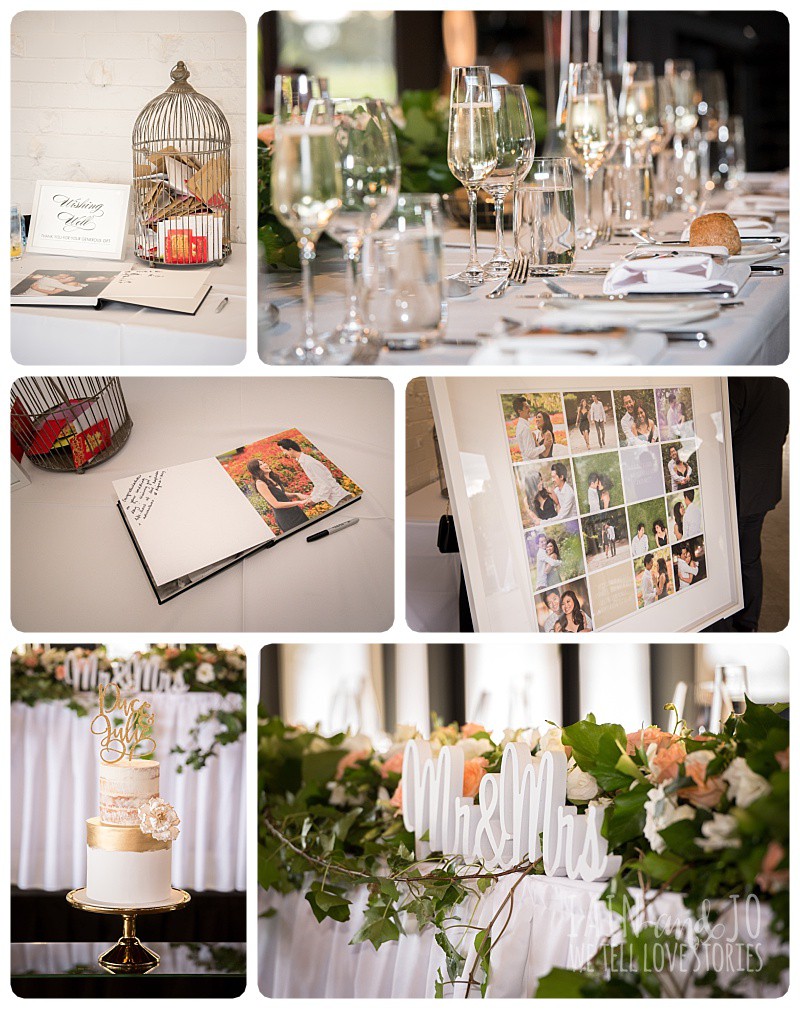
(113,837)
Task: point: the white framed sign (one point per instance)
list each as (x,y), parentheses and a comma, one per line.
(85,219)
(592,504)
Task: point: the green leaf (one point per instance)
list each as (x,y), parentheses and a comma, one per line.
(454,960)
(561,983)
(377,932)
(328,903)
(626,819)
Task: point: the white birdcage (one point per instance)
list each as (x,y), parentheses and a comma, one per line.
(181,177)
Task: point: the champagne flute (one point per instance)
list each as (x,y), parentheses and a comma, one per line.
(471,148)
(592,129)
(683,81)
(306,191)
(638,105)
(371,175)
(515,149)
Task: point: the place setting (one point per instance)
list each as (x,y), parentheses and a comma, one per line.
(623,230)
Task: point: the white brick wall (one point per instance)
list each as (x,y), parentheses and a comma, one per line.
(79,80)
(421,468)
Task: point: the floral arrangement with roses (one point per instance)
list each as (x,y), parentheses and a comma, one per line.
(704,815)
(38,675)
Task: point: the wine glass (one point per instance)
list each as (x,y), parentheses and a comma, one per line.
(679,165)
(471,148)
(683,82)
(371,176)
(638,105)
(592,128)
(515,149)
(306,191)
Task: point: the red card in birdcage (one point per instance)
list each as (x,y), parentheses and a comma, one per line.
(89,443)
(183,246)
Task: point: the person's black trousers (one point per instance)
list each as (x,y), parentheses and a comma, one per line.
(746,619)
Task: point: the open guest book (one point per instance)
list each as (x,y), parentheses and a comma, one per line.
(191,521)
(166,290)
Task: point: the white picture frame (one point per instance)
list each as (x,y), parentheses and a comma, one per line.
(19,478)
(87,220)
(484,501)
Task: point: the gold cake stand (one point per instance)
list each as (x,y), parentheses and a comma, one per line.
(128,956)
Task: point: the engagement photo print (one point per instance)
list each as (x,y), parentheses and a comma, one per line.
(636,416)
(598,482)
(689,562)
(590,421)
(546,492)
(605,539)
(555,554)
(288,480)
(675,413)
(653,574)
(565,610)
(61,283)
(535,425)
(679,461)
(621,521)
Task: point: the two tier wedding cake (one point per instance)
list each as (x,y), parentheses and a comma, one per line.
(129,845)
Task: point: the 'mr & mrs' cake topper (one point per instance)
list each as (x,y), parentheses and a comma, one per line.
(128,732)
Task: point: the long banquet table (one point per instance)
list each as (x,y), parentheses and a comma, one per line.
(757,332)
(126,334)
(54,790)
(556,922)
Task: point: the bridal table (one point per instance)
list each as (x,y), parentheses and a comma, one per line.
(556,922)
(54,792)
(73,564)
(125,334)
(755,332)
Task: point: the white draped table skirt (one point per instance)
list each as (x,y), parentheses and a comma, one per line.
(54,790)
(555,923)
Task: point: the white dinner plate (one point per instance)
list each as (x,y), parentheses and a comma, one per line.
(631,349)
(753,253)
(635,312)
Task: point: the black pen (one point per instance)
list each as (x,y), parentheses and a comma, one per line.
(333,529)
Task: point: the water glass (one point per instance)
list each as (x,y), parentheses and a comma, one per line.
(403,274)
(628,188)
(545,217)
(17,232)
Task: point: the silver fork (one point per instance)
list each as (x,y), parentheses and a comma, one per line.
(517,274)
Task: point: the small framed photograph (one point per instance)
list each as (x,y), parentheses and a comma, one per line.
(84,219)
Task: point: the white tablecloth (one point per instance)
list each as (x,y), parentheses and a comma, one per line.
(755,333)
(124,334)
(92,575)
(54,790)
(555,923)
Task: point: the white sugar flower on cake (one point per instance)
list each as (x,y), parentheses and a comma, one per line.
(159,819)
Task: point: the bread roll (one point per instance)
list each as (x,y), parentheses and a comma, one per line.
(715,229)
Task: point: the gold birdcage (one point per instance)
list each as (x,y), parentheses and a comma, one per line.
(182,178)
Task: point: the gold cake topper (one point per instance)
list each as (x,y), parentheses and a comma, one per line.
(122,740)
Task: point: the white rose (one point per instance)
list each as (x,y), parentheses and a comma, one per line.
(602,802)
(205,673)
(473,747)
(745,786)
(318,745)
(529,736)
(718,833)
(551,741)
(358,742)
(581,786)
(158,819)
(661,811)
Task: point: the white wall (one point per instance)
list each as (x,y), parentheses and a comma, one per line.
(79,79)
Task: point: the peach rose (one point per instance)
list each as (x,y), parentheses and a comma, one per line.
(349,760)
(397,799)
(470,728)
(644,737)
(31,661)
(394,764)
(771,878)
(266,133)
(705,792)
(783,759)
(60,672)
(474,770)
(171,653)
(665,762)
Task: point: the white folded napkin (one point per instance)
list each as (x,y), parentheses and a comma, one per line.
(674,274)
(757,205)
